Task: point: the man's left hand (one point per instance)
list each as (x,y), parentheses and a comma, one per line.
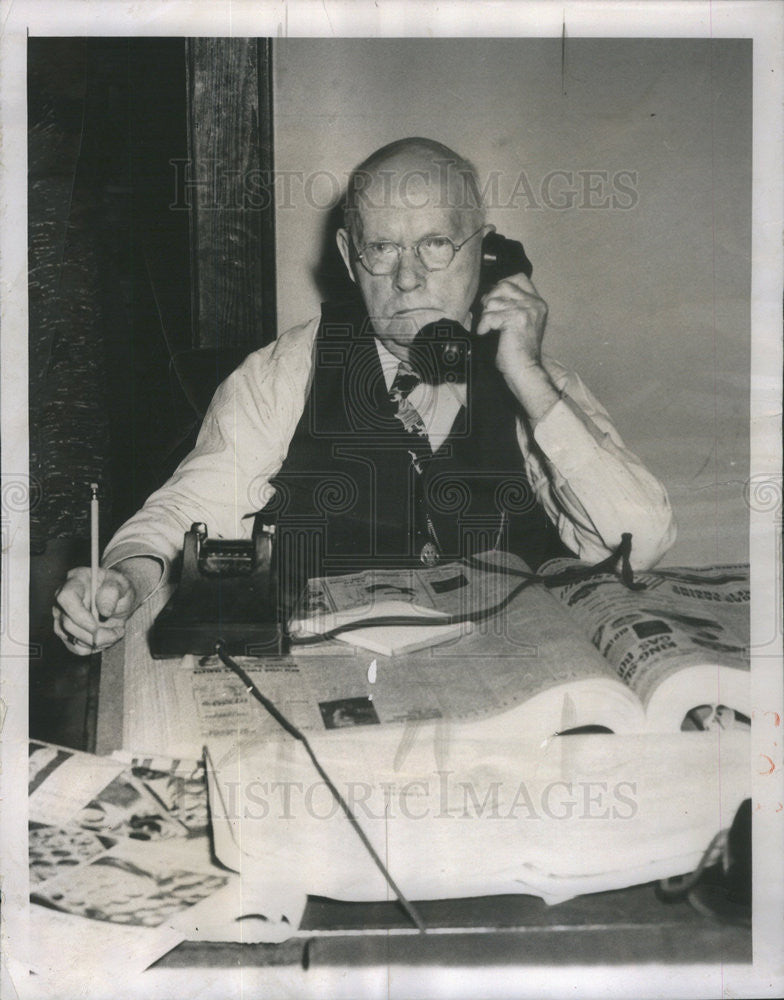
(515,309)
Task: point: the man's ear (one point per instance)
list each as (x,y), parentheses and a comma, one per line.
(344,245)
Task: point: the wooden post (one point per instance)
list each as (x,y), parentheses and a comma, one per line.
(231,192)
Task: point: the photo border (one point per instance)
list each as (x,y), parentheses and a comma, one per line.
(760,20)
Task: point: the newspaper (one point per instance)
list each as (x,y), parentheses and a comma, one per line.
(456,591)
(682,618)
(452,588)
(119,859)
(531,652)
(531,667)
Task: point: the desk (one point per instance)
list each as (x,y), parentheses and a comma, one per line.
(620,927)
(625,927)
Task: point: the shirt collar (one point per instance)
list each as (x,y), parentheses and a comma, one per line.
(389,366)
(389,362)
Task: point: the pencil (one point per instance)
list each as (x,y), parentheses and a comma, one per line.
(93,547)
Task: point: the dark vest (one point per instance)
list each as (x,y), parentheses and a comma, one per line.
(348,495)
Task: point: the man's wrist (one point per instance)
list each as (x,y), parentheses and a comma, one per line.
(534,390)
(144,574)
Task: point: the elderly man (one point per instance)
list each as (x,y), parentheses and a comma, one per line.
(331,431)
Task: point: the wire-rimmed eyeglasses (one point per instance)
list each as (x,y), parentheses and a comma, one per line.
(435,252)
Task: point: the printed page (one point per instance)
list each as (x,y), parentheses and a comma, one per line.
(453,588)
(132,901)
(531,650)
(119,859)
(61,782)
(683,619)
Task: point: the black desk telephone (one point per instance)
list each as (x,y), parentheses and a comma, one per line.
(228,588)
(228,591)
(440,352)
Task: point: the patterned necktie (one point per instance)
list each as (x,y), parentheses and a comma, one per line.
(405,381)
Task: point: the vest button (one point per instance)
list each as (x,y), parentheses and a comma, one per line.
(429,554)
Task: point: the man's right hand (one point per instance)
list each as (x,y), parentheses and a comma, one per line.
(74,623)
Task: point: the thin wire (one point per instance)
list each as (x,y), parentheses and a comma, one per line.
(569,575)
(297,734)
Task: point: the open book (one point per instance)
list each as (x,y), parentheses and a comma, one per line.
(447,754)
(553,659)
(678,644)
(469,795)
(578,814)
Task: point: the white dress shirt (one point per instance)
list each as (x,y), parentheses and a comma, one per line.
(591,486)
(437,405)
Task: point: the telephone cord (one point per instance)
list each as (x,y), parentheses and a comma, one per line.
(567,576)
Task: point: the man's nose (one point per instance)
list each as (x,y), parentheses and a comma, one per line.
(410,273)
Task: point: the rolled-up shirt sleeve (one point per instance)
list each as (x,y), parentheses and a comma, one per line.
(242,443)
(593,488)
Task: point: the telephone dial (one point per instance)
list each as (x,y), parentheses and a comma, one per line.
(227,591)
(441,351)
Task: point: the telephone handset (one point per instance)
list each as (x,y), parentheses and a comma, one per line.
(441,351)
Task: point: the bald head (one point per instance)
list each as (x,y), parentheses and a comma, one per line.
(407,173)
(409,193)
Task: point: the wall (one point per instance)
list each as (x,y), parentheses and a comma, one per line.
(645,265)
